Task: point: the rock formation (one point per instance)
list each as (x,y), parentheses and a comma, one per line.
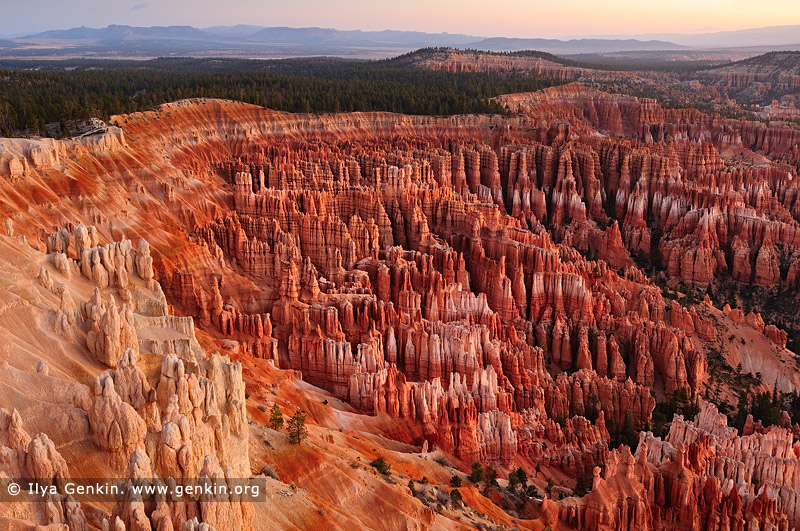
(195,416)
(471,282)
(703,475)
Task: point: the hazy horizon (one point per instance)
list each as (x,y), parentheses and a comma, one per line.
(507,18)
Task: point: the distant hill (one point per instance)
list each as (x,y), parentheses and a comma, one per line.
(239,30)
(574,46)
(758,79)
(773,36)
(781,62)
(514,60)
(326,36)
(116,32)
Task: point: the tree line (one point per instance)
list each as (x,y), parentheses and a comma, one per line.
(35,93)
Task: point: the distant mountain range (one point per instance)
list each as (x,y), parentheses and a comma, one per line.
(325,37)
(573,46)
(122,41)
(261,35)
(118,33)
(772,36)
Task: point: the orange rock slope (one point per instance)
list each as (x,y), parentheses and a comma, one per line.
(464,286)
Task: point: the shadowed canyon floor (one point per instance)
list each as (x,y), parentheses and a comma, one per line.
(517,290)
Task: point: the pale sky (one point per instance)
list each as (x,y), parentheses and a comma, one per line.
(507,18)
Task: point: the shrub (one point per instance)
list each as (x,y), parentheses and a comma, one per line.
(549,488)
(442,460)
(269,471)
(532,491)
(381,466)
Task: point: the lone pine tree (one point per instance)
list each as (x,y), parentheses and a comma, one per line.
(297,428)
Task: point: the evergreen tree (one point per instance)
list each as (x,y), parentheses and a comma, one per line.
(275,417)
(489,480)
(381,466)
(742,410)
(456,499)
(491,476)
(629,435)
(518,478)
(297,428)
(477,473)
(532,491)
(580,487)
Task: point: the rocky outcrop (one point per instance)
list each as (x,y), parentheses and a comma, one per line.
(756,322)
(192,424)
(776,335)
(111,334)
(116,425)
(36,458)
(702,476)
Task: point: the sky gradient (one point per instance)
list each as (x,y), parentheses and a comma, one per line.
(507,18)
